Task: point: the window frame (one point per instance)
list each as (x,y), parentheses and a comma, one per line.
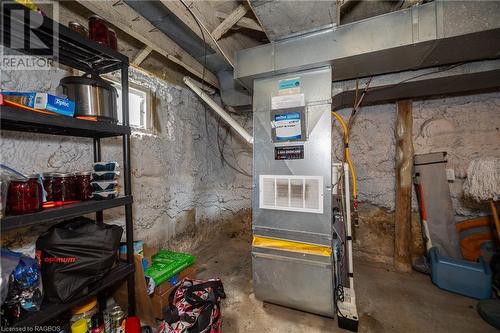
(149,103)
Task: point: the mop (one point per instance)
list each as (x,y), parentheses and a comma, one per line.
(483,179)
(483,184)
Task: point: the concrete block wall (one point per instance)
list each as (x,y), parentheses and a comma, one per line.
(178,177)
(466,127)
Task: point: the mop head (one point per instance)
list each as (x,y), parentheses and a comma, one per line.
(483,179)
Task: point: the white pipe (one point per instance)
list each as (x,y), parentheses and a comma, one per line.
(220,111)
(348,230)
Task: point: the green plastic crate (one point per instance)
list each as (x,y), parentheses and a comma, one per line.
(166,256)
(166,264)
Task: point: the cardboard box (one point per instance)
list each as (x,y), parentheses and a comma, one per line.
(149,308)
(42,101)
(162,288)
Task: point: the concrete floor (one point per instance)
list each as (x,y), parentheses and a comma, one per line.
(387,301)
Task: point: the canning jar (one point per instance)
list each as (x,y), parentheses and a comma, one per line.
(68,192)
(24,196)
(113,41)
(98,30)
(53,186)
(52,183)
(77,27)
(83,185)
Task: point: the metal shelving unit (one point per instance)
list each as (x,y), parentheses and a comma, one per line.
(15,119)
(62,213)
(80,53)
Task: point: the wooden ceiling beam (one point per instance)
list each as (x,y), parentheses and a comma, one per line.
(229,21)
(141,55)
(244,22)
(206,14)
(198,22)
(132,23)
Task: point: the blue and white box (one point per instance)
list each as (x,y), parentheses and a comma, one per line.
(42,101)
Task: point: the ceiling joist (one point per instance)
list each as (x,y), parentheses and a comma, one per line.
(244,22)
(132,23)
(206,15)
(229,21)
(139,58)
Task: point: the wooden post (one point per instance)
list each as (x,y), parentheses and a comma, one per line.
(404,164)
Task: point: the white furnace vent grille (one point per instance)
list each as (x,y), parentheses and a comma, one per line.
(294,193)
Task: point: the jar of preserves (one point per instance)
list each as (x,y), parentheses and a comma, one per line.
(24,196)
(83,185)
(113,40)
(79,28)
(68,192)
(98,30)
(52,183)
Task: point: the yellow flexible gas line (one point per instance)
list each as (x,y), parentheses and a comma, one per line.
(348,154)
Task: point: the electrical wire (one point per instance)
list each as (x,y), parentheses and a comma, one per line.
(221,149)
(204,61)
(418,76)
(221,152)
(200,24)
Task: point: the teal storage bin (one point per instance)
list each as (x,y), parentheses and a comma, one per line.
(472,279)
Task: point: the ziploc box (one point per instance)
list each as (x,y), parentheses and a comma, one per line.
(42,101)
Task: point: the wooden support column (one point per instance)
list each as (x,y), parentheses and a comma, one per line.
(404,165)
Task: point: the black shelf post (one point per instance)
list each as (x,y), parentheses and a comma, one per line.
(127,171)
(97,158)
(76,51)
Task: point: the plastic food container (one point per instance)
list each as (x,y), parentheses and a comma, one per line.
(105,195)
(105,175)
(106,166)
(104,185)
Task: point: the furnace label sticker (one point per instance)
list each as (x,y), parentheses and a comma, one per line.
(287,101)
(288,126)
(289,86)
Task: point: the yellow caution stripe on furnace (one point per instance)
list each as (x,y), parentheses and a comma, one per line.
(286,245)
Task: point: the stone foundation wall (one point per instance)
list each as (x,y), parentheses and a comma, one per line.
(178,177)
(466,127)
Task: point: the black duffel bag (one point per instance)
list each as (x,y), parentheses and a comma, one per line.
(74,254)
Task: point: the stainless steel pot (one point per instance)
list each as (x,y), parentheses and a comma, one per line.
(94,97)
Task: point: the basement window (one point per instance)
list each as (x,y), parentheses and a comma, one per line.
(139,104)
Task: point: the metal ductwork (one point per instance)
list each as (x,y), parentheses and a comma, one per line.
(282,18)
(232,92)
(433,34)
